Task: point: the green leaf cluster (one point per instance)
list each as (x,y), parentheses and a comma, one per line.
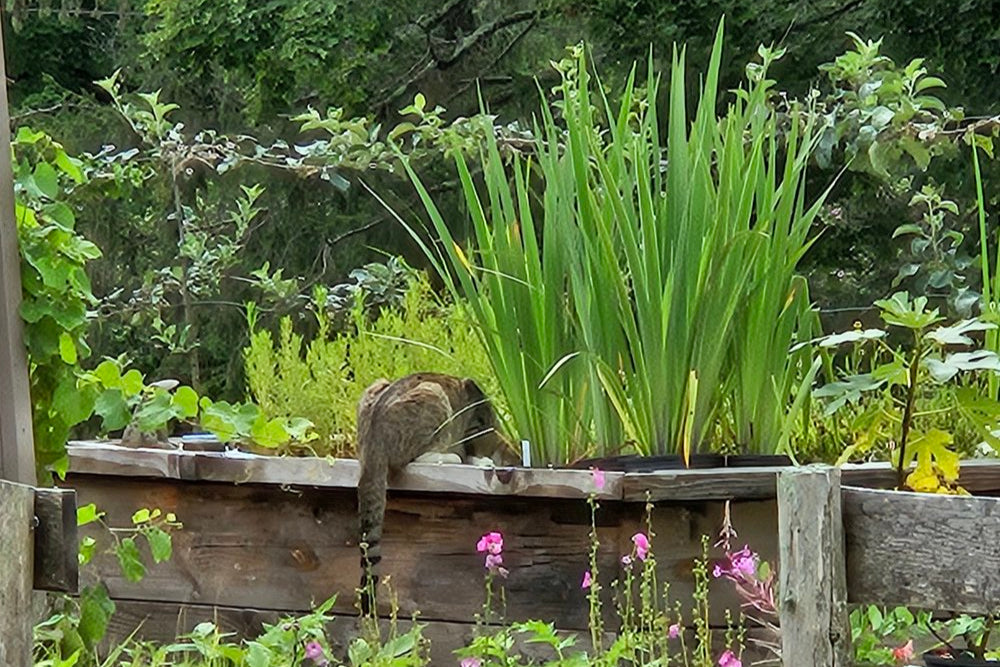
(321,379)
(56,292)
(892,384)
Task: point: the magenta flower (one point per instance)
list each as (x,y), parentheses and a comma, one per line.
(315,653)
(674,631)
(743,569)
(587,581)
(641,545)
(729,659)
(490,542)
(471,662)
(744,561)
(598,478)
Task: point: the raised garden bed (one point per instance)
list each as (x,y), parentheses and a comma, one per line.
(265,535)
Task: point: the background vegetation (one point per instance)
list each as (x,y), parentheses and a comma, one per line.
(219,188)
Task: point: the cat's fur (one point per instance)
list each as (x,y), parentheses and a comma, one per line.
(399,421)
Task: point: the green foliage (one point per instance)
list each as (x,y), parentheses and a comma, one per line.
(972,631)
(124,400)
(56,292)
(286,49)
(323,379)
(72,635)
(879,113)
(893,383)
(599,333)
(875,631)
(291,642)
(937,261)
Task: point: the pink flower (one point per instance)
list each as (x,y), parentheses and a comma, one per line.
(587,581)
(314,652)
(641,545)
(729,659)
(674,631)
(491,542)
(598,478)
(494,563)
(745,562)
(717,571)
(904,653)
(471,662)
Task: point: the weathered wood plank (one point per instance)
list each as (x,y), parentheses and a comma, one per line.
(981,476)
(56,545)
(924,550)
(16,512)
(813,599)
(17,454)
(162,622)
(263,547)
(751,483)
(240,468)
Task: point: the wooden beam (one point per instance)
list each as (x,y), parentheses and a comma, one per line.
(17,454)
(16,513)
(242,468)
(752,483)
(56,545)
(283,549)
(923,550)
(815,629)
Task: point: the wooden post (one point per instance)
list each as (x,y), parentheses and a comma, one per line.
(16,573)
(17,454)
(812,580)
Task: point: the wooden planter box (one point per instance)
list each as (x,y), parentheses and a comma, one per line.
(267,536)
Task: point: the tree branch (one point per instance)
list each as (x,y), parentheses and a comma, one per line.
(481,33)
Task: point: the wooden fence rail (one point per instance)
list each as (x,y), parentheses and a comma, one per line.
(871,546)
(38,550)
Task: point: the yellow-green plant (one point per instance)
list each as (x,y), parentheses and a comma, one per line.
(322,379)
(631,293)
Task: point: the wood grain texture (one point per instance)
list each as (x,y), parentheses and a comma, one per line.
(16,512)
(923,550)
(56,545)
(17,453)
(750,483)
(157,621)
(263,547)
(241,468)
(813,598)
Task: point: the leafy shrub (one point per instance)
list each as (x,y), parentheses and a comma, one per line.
(56,291)
(323,379)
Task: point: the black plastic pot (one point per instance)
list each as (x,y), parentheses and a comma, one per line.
(749,460)
(932,660)
(636,463)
